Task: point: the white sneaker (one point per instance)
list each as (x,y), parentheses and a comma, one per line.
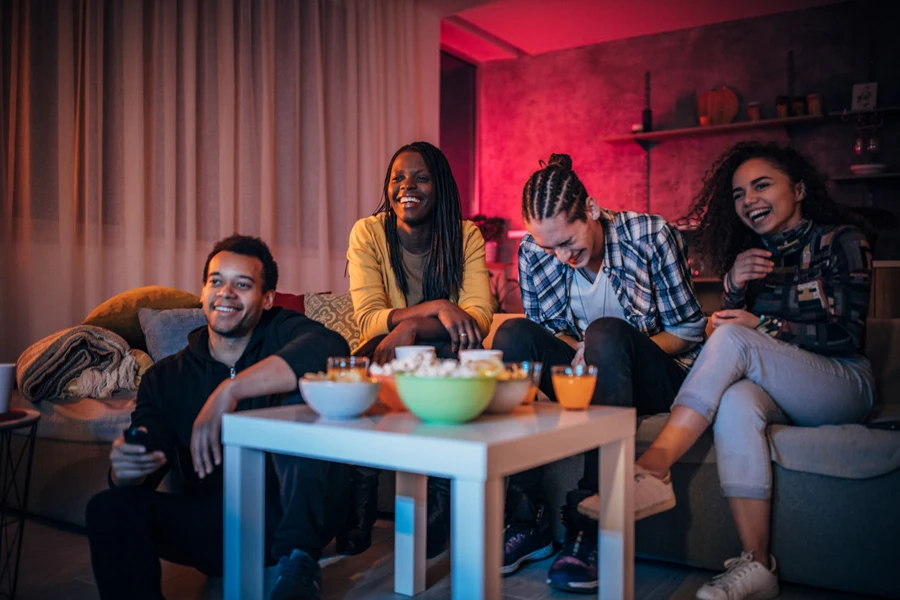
(651,496)
(743,579)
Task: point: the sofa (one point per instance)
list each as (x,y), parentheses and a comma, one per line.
(836,518)
(836,510)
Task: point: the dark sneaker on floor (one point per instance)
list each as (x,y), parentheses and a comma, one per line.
(299,578)
(575,569)
(526,537)
(437,532)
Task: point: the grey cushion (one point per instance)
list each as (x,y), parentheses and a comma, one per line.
(848,451)
(166,331)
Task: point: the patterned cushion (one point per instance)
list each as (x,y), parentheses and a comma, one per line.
(334,311)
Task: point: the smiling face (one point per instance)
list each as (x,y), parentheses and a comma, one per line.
(411,189)
(232,297)
(765,199)
(577,244)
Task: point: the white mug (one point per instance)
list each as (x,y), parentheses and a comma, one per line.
(466,356)
(7,379)
(404,352)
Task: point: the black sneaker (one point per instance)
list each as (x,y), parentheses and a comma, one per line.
(299,578)
(526,537)
(437,532)
(575,569)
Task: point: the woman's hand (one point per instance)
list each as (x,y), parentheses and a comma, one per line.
(462,327)
(749,265)
(579,354)
(404,334)
(736,316)
(206,437)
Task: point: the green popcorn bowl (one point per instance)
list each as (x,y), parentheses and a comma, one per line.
(446,399)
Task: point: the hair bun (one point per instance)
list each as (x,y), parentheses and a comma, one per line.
(563,161)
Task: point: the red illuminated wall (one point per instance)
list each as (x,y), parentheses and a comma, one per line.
(567,101)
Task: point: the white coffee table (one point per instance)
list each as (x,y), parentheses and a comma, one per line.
(475,456)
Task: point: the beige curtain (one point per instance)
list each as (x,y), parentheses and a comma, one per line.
(136,134)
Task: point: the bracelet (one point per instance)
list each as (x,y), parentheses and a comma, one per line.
(762,319)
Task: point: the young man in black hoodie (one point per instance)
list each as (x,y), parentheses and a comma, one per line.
(250,355)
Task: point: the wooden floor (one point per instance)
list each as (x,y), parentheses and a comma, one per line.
(56,566)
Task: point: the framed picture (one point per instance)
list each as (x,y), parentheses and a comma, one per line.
(865,96)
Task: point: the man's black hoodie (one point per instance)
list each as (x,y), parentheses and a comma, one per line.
(173,391)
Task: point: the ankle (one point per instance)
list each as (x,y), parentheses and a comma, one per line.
(762,558)
(653,470)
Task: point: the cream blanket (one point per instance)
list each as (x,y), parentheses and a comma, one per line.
(98,358)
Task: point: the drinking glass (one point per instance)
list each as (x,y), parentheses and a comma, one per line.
(574,386)
(348,368)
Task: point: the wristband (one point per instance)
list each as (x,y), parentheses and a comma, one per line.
(762,319)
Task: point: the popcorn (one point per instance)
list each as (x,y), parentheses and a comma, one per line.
(343,376)
(421,365)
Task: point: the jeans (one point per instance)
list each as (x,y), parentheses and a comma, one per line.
(632,371)
(745,380)
(130,528)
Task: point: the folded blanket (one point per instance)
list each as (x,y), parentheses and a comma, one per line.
(97,357)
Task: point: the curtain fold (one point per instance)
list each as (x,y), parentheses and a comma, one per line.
(136,134)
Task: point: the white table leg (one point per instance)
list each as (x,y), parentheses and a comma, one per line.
(410,518)
(616,542)
(477,539)
(245,518)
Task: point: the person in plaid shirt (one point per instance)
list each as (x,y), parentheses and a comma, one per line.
(599,288)
(786,348)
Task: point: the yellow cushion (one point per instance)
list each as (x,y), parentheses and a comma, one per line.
(334,311)
(120,313)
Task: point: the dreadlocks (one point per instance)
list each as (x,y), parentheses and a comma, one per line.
(721,235)
(443,271)
(555,189)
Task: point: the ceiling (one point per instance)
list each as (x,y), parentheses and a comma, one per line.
(504,29)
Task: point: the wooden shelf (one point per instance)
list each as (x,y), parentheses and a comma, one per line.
(858,113)
(688,132)
(851,178)
(706,280)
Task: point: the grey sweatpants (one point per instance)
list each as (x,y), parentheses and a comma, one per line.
(745,380)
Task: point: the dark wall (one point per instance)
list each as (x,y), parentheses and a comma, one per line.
(458,125)
(567,101)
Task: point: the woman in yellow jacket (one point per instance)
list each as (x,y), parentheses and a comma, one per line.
(417,270)
(417,276)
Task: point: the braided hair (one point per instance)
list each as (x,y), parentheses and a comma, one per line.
(554,189)
(722,235)
(443,272)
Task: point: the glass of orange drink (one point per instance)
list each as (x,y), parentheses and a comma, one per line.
(348,368)
(574,386)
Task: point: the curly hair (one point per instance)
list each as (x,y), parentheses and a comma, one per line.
(721,235)
(253,247)
(443,272)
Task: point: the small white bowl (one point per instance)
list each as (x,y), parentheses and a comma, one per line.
(404,352)
(508,395)
(339,400)
(467,356)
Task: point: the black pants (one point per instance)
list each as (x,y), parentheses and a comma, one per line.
(131,528)
(632,371)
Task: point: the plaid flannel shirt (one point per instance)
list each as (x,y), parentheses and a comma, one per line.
(645,260)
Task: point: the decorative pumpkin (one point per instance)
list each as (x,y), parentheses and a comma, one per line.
(719,105)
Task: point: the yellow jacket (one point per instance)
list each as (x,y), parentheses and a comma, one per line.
(374,290)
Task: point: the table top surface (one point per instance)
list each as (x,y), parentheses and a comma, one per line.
(530,435)
(16,418)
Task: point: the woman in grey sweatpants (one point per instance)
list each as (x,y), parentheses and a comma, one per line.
(786,348)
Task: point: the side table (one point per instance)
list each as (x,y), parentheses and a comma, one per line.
(15,476)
